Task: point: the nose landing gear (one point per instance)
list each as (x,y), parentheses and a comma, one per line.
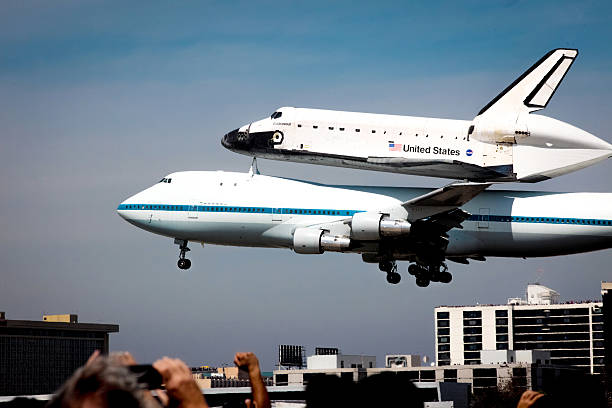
(390,267)
(183,263)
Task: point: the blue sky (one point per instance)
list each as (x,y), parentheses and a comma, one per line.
(101,99)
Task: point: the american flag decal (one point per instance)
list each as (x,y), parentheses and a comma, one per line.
(395,147)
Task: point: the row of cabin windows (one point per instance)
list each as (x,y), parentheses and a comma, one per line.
(323,212)
(564,220)
(230,209)
(373,131)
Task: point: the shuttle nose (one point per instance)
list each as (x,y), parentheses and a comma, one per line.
(235,140)
(229,139)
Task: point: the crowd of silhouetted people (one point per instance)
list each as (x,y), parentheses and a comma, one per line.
(117,381)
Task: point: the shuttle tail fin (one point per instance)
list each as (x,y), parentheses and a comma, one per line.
(532,90)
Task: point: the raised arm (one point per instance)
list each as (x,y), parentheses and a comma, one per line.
(250,362)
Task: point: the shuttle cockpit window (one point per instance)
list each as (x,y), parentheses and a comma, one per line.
(165,180)
(276,115)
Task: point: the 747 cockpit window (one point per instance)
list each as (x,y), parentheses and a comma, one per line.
(276,115)
(165,180)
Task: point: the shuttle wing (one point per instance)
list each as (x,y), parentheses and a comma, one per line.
(443,200)
(532,90)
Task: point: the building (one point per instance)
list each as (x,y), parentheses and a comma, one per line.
(333,361)
(224,377)
(36,357)
(606,298)
(572,332)
(526,369)
(402,360)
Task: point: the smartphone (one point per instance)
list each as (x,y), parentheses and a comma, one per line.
(148,376)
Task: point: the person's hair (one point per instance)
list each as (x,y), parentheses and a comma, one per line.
(330,391)
(108,383)
(388,389)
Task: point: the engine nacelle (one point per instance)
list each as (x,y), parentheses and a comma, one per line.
(370,226)
(316,241)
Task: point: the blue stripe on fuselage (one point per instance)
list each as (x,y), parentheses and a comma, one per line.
(334,212)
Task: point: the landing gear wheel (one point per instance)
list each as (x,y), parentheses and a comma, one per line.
(386,266)
(413,269)
(394,278)
(422,282)
(184,263)
(445,277)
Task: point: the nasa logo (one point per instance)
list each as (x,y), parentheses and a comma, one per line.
(469,152)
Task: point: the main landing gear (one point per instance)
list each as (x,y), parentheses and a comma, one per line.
(424,274)
(390,267)
(183,263)
(430,273)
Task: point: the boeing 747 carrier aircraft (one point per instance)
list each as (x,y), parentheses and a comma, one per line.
(504,142)
(459,222)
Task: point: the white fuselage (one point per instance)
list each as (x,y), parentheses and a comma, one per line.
(241,209)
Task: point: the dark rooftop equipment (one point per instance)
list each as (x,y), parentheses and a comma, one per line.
(326,351)
(291,356)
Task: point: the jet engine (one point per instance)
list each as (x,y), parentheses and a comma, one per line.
(316,241)
(369,226)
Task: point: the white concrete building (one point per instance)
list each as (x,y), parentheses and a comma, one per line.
(326,362)
(514,356)
(571,332)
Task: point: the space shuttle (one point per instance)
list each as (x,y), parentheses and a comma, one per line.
(504,142)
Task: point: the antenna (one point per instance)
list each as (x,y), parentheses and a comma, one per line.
(253,170)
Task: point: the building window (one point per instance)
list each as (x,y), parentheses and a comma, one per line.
(282,379)
(428,375)
(442,315)
(472,330)
(502,329)
(501,322)
(450,375)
